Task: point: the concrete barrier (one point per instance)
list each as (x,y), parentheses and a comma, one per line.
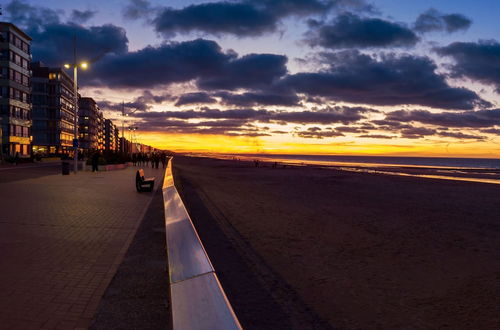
(197,297)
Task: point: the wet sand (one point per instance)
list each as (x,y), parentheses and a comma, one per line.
(362,251)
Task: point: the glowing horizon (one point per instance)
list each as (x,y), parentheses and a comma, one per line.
(220,144)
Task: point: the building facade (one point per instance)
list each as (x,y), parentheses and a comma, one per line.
(117,139)
(15,91)
(53,111)
(100,131)
(89,122)
(110,136)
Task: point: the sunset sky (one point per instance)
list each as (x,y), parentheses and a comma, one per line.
(418,78)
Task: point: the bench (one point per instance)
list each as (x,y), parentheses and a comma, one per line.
(142,183)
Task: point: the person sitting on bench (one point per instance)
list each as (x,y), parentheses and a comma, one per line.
(142,183)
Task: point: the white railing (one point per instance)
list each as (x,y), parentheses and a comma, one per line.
(198,300)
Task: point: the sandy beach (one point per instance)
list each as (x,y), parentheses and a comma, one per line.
(358,250)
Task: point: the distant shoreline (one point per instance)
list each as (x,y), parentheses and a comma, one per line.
(457,173)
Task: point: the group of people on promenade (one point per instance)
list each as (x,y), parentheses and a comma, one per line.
(138,159)
(143,159)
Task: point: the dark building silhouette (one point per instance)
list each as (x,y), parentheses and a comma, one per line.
(53,110)
(90,122)
(15,91)
(111,142)
(100,131)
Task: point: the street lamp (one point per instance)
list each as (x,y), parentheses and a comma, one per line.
(123,124)
(75,66)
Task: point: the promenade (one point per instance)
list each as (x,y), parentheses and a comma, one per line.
(62,239)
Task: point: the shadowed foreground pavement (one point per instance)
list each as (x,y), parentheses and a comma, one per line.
(61,241)
(138,296)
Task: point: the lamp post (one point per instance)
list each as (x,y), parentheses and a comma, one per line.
(124,114)
(75,66)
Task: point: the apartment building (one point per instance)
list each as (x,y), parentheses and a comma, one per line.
(15,91)
(53,110)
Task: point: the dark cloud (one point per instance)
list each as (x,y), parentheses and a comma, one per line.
(241,18)
(208,113)
(250,71)
(390,125)
(53,39)
(239,121)
(330,115)
(282,8)
(478,61)
(195,98)
(169,63)
(228,127)
(495,131)
(80,17)
(54,44)
(456,22)
(433,20)
(326,116)
(461,136)
(141,103)
(390,80)
(136,9)
(350,129)
(317,133)
(30,17)
(472,119)
(261,98)
(376,136)
(420,132)
(352,31)
(177,62)
(417,132)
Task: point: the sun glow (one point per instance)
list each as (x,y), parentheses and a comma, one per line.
(204,143)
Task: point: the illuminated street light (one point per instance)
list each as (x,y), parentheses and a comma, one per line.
(83,65)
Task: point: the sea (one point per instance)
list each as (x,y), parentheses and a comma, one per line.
(485,170)
(431,162)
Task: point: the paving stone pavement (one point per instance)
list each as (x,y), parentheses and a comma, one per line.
(62,239)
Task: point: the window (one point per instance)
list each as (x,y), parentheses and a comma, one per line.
(5,91)
(25,47)
(26,80)
(4,36)
(4,54)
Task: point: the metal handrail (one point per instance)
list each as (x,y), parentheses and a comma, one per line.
(197,298)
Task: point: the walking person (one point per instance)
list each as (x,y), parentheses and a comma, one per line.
(157,160)
(95,162)
(163,159)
